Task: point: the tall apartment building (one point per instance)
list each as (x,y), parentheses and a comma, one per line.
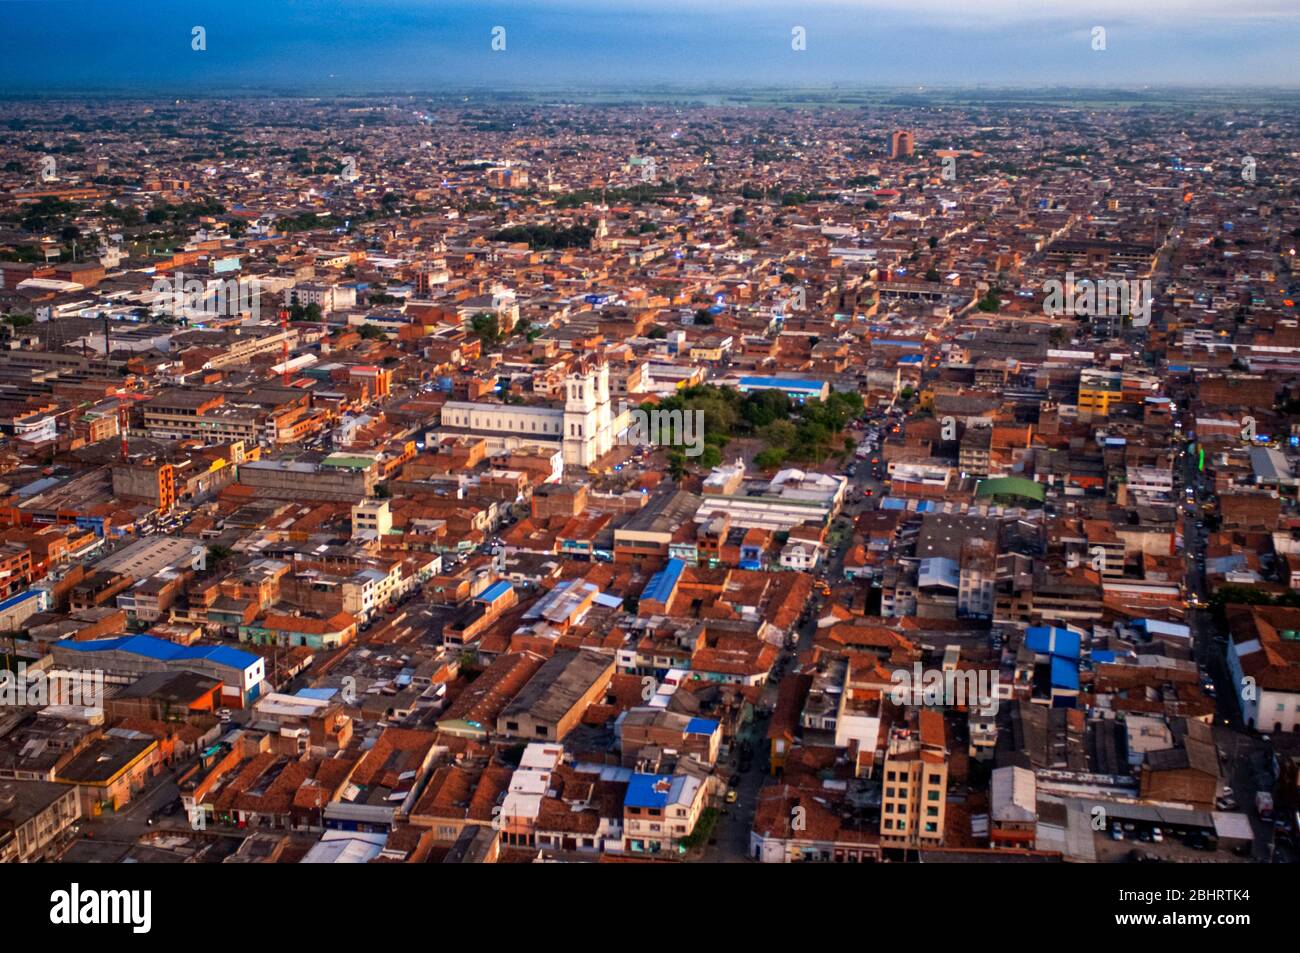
(916,783)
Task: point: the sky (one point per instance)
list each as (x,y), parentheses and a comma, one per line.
(148,46)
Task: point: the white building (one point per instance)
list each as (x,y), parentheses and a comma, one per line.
(792,498)
(584,429)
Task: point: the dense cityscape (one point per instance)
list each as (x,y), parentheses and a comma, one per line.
(429,479)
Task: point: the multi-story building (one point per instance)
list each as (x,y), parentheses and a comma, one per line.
(33,817)
(660,811)
(915,785)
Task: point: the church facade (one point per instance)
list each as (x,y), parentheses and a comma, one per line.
(585,429)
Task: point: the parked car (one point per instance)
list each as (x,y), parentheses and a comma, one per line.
(1198,841)
(1116,832)
(1139,856)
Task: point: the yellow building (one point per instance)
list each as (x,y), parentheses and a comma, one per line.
(914,796)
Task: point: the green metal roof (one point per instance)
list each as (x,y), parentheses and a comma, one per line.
(1012,486)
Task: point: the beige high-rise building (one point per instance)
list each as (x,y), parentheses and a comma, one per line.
(915,786)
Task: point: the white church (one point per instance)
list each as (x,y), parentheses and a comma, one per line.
(585,429)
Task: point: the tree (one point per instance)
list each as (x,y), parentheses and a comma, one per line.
(484,324)
(676,464)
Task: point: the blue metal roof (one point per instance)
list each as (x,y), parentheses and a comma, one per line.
(701,726)
(789,383)
(1056,642)
(651,790)
(661,585)
(495,591)
(1158,627)
(21,597)
(164,651)
(1065,673)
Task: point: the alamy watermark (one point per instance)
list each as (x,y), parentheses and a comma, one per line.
(664,428)
(178,295)
(1103,298)
(39,689)
(972,688)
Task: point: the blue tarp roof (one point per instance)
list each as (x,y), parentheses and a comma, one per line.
(165,651)
(1053,641)
(661,585)
(1065,673)
(1104,656)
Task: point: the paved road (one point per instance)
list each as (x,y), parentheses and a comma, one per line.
(1244,758)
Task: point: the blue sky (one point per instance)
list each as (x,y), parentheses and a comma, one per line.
(345,45)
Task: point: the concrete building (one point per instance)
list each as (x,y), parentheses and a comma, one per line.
(34,815)
(554,699)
